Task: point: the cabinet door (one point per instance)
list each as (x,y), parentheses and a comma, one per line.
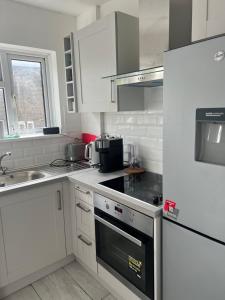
(33,230)
(95,48)
(215,17)
(85,218)
(86,251)
(207,18)
(193,266)
(3,270)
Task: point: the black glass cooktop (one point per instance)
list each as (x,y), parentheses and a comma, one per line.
(146,186)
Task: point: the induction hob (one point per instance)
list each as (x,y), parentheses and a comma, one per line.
(146,187)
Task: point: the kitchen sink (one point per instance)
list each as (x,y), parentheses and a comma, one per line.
(21,176)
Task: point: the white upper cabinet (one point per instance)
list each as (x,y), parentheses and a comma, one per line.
(33,230)
(107,47)
(207,18)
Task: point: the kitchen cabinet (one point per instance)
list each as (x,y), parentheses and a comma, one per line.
(70,74)
(107,47)
(86,251)
(207,18)
(85,220)
(33,230)
(84,226)
(3,270)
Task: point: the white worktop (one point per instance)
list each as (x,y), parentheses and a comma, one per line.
(91,179)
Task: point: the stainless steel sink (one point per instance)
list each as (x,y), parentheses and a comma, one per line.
(21,176)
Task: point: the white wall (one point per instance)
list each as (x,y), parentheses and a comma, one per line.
(25,25)
(88,17)
(130,7)
(154,31)
(143,128)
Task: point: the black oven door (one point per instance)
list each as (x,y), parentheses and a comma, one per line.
(126,253)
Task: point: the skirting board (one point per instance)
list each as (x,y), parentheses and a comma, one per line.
(17,285)
(104,283)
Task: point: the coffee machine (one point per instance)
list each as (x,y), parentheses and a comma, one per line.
(110,154)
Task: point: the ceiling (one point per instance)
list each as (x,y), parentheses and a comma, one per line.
(71,7)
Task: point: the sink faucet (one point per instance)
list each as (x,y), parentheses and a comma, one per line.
(4,169)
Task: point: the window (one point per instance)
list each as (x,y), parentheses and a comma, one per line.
(3,110)
(24,103)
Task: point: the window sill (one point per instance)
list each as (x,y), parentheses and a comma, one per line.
(31,137)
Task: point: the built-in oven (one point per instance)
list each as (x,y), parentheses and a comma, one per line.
(125,245)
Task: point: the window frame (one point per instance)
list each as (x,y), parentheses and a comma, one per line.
(7,84)
(6,129)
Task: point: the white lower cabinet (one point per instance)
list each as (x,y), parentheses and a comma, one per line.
(85,218)
(3,270)
(84,226)
(86,251)
(33,230)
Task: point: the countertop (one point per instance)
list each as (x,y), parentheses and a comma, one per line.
(90,178)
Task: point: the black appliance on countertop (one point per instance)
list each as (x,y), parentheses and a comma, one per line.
(146,186)
(110,154)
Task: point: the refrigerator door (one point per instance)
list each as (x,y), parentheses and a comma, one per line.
(193,266)
(194,78)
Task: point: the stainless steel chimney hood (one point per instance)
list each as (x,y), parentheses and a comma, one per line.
(144,78)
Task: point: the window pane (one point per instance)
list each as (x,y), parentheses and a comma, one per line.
(28,89)
(2,110)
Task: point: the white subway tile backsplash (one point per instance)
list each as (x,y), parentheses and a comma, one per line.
(52,148)
(142,128)
(33,151)
(23,163)
(17,153)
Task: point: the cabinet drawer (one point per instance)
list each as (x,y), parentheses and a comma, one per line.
(85,218)
(86,251)
(83,194)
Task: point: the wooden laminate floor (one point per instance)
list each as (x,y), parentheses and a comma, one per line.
(72,282)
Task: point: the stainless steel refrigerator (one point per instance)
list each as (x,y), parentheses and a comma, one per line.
(194,172)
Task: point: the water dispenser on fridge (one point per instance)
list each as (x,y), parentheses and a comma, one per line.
(210,135)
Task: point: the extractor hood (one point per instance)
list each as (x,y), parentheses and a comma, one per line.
(150,77)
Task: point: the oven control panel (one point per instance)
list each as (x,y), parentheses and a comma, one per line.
(125,214)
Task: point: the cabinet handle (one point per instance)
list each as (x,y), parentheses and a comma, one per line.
(87,210)
(112,92)
(84,192)
(119,231)
(59,200)
(84,240)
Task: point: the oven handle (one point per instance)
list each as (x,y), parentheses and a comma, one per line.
(118,230)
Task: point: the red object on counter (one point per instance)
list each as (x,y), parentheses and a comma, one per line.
(87,138)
